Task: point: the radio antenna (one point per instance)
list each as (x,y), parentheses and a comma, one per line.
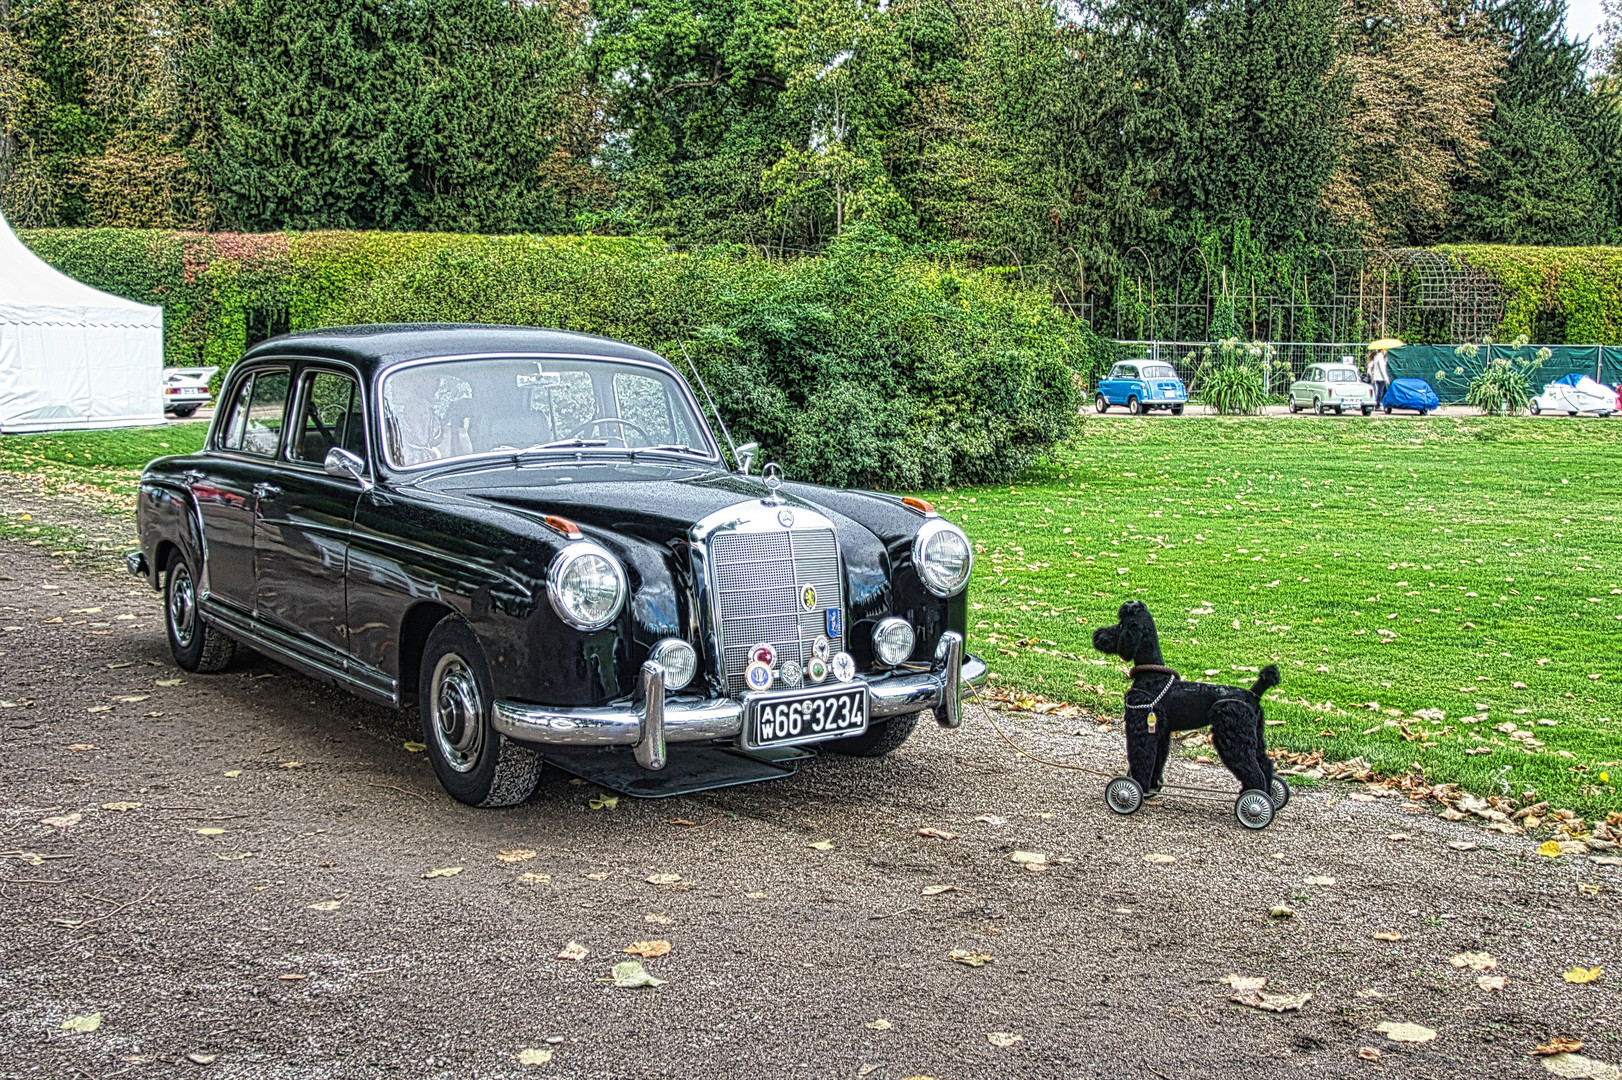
(700,380)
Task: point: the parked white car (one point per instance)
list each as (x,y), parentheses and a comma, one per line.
(185,389)
(1331,386)
(1574,394)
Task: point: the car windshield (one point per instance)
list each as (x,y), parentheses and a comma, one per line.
(1159,371)
(1342,374)
(454,409)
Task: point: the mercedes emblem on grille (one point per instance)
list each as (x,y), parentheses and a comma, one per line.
(785,518)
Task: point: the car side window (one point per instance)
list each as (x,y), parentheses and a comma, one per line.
(267,403)
(236,418)
(329,416)
(1128,371)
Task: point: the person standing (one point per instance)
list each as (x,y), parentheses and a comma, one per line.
(1379,374)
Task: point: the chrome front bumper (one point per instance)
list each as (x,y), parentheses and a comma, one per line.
(653,718)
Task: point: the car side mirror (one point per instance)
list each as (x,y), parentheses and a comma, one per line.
(746,456)
(340,463)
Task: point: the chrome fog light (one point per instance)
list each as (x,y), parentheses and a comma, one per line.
(677,659)
(892,641)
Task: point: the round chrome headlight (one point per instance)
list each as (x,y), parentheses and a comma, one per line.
(586,586)
(677,659)
(943,557)
(892,641)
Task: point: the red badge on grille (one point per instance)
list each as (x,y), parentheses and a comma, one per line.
(763,654)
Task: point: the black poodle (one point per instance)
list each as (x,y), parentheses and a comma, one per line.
(1159,702)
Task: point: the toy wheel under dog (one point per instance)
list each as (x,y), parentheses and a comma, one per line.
(1280,793)
(1123,795)
(1254,809)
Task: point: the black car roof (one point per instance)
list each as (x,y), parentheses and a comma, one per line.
(373,348)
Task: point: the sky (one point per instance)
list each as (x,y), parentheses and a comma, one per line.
(1583,19)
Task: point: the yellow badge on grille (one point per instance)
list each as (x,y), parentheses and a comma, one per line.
(809,598)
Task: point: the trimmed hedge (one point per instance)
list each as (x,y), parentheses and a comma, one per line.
(1553,295)
(865,366)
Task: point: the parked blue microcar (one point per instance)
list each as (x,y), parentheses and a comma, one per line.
(1141,385)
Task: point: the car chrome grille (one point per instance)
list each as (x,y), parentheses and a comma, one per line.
(760,580)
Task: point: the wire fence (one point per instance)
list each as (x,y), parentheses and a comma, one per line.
(1282,366)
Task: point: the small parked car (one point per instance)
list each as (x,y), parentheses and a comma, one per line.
(1575,393)
(1142,385)
(534,537)
(1416,394)
(1331,386)
(185,389)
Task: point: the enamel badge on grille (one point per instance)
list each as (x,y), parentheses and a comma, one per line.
(809,598)
(758,676)
(833,622)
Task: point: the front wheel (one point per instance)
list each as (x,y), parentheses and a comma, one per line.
(1535,409)
(1340,410)
(1134,406)
(878,740)
(1101,404)
(1123,795)
(1388,410)
(1424,412)
(475,763)
(1294,407)
(1318,406)
(195,645)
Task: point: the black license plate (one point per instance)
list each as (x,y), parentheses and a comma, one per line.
(787,718)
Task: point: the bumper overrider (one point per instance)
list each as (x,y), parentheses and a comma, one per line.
(652,719)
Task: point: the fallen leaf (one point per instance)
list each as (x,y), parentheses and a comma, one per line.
(1388,935)
(63,821)
(233,773)
(1320,879)
(1414,1033)
(1399,837)
(529,1055)
(1585,889)
(534,879)
(1245,982)
(233,856)
(867,1068)
(630,973)
(936,890)
(821,845)
(100,708)
(82,1024)
(754,896)
(120,806)
(1159,859)
(82,746)
(1489,983)
(167,682)
(415,747)
(1361,796)
(1281,911)
(444,871)
(1463,845)
(201,1059)
(292,764)
(664,879)
(1559,1045)
(291,978)
(939,834)
(1583,975)
(1368,1053)
(131,699)
(992,819)
(326,905)
(879,1025)
(210,831)
(971,958)
(604,876)
(1475,961)
(573,951)
(1003,1039)
(603,802)
(1550,849)
(647,949)
(1029,858)
(516,854)
(658,920)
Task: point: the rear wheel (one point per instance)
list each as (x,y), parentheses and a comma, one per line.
(1424,412)
(1571,412)
(1318,406)
(475,763)
(1368,410)
(1340,410)
(1100,403)
(1177,410)
(879,738)
(1388,410)
(1123,795)
(195,644)
(183,411)
(1280,793)
(1254,809)
(1134,406)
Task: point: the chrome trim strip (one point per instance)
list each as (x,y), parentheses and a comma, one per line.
(622,723)
(290,651)
(650,743)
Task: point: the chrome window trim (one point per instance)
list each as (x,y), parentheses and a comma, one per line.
(316,365)
(752,516)
(386,459)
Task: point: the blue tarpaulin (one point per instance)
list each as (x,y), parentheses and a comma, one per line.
(1410,394)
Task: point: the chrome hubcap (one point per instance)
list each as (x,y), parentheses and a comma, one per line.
(1253,809)
(457,713)
(182,605)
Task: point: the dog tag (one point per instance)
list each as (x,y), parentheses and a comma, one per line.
(1152,719)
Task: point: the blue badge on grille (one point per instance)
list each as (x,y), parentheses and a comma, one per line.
(833,622)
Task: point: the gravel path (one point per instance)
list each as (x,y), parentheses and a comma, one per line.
(304,939)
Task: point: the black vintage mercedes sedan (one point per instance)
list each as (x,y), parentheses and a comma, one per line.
(535,537)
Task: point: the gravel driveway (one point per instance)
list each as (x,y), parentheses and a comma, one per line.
(260,906)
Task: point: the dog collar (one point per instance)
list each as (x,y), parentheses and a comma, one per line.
(1151,669)
(1155,669)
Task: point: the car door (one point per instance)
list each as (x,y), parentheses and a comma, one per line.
(246,442)
(304,516)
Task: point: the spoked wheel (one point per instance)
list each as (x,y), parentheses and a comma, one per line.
(1280,793)
(1534,408)
(1254,809)
(1123,795)
(1318,406)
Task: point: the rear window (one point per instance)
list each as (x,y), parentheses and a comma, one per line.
(1159,371)
(1342,374)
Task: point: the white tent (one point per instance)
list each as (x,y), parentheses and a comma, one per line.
(70,356)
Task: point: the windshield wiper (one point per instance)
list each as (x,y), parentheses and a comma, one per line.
(676,448)
(563,444)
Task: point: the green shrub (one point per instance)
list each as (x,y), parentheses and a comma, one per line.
(867,366)
(1504,384)
(1229,378)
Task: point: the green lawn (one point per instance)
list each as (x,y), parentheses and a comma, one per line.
(1470,567)
(1388,568)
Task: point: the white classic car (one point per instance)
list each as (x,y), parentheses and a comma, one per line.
(1573,394)
(185,389)
(1331,386)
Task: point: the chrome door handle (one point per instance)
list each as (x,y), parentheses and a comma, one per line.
(191,476)
(266,491)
